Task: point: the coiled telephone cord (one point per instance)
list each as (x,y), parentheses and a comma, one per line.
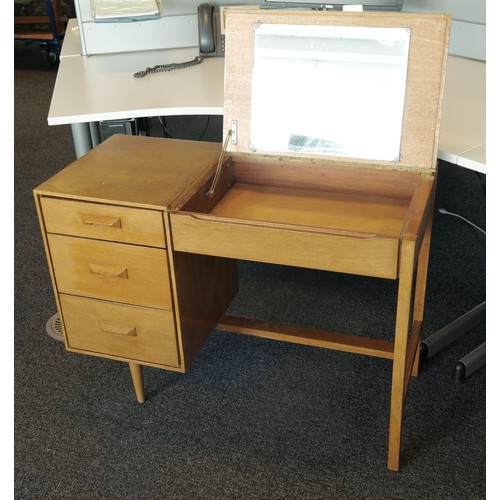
(160,68)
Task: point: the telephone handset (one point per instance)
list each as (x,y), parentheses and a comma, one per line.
(211,32)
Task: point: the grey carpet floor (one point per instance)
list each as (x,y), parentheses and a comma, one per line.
(252,418)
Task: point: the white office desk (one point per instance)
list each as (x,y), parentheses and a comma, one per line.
(102,87)
(462,139)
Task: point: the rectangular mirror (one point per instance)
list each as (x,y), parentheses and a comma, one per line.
(329,90)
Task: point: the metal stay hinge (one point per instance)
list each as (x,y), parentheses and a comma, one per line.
(229,134)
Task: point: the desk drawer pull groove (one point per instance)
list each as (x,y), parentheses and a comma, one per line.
(280,225)
(111,271)
(111,327)
(102,220)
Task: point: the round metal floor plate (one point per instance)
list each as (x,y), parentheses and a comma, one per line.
(54,328)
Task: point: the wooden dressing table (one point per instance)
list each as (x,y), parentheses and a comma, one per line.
(143,234)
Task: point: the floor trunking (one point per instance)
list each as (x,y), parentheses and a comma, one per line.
(331,126)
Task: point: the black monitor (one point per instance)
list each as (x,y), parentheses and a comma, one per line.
(336,5)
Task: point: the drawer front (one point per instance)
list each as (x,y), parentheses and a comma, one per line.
(104,222)
(136,333)
(113,271)
(368,255)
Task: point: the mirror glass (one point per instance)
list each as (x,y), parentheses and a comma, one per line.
(329,90)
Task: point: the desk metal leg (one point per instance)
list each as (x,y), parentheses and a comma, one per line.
(81,138)
(456,329)
(94,133)
(469,364)
(85,137)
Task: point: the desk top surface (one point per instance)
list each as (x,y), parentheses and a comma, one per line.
(102,87)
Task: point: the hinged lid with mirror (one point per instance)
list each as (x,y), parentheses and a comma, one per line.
(331,132)
(364,86)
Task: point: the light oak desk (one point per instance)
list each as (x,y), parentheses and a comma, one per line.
(197,227)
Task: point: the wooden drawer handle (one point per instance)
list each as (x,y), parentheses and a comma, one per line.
(101,220)
(274,225)
(112,271)
(110,327)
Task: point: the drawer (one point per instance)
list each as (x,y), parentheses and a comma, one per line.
(112,271)
(104,222)
(340,251)
(137,333)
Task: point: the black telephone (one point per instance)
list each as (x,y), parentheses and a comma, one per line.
(211,32)
(211,35)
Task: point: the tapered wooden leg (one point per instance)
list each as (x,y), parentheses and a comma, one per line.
(400,351)
(137,379)
(420,286)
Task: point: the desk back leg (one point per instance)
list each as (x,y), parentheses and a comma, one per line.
(421,286)
(400,351)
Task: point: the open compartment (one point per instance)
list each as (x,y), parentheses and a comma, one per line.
(315,215)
